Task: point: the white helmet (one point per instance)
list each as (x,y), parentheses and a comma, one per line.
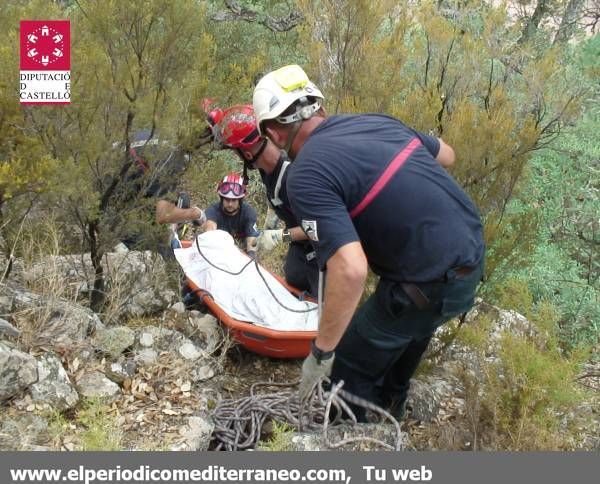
(278,90)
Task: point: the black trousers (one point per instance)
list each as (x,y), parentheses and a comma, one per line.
(300,272)
(388,334)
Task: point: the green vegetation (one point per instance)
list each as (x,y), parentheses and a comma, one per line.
(94,427)
(280,439)
(562,267)
(100,428)
(514,401)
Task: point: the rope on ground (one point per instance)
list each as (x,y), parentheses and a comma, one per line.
(238,423)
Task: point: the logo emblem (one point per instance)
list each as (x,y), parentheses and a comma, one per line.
(45,45)
(310,229)
(273,102)
(45,62)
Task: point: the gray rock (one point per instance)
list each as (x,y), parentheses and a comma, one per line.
(37,448)
(23,432)
(503,321)
(8,329)
(114,341)
(315,441)
(16,269)
(129,366)
(96,384)
(138,278)
(67,324)
(203,329)
(118,372)
(120,248)
(146,301)
(178,308)
(189,351)
(84,353)
(197,433)
(53,387)
(163,339)
(430,396)
(54,321)
(146,340)
(6,305)
(18,370)
(201,372)
(146,357)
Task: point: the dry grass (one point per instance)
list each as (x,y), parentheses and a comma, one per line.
(38,246)
(123,284)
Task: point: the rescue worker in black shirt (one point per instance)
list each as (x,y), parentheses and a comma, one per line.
(230,213)
(370,191)
(158,167)
(236,129)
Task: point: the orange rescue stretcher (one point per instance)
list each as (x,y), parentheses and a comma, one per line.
(264,341)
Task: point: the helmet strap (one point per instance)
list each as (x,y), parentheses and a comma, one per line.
(258,153)
(249,163)
(292,135)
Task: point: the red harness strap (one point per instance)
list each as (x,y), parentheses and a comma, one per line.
(386,176)
(139,161)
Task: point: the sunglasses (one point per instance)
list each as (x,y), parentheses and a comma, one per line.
(230,187)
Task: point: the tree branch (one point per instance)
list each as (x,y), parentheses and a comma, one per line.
(276,24)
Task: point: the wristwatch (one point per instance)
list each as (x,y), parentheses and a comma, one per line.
(319,354)
(286,236)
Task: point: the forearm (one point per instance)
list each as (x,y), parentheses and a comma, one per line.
(169,213)
(445,156)
(346,277)
(297,234)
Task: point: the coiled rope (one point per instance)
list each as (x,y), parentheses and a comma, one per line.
(238,423)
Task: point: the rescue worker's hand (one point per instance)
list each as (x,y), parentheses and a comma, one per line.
(199,216)
(312,372)
(269,239)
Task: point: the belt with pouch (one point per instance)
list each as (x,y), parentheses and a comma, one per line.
(419,298)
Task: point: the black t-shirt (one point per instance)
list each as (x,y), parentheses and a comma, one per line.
(417,226)
(275,184)
(240,225)
(156,171)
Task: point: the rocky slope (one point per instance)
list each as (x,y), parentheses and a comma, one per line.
(150,377)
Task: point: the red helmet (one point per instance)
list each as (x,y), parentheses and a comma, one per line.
(232,186)
(214,113)
(237,127)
